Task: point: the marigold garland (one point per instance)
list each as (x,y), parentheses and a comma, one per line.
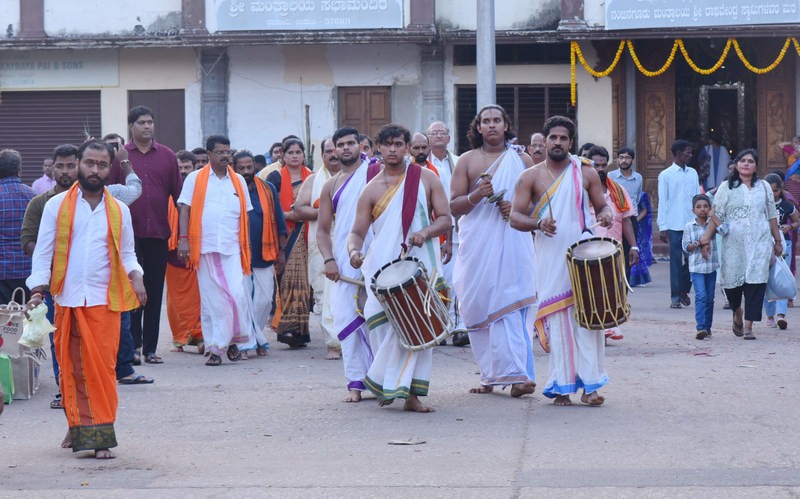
(575,50)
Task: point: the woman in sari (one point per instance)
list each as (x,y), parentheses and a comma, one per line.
(295,291)
(640,275)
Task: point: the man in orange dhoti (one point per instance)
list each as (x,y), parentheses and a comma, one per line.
(183,294)
(87,237)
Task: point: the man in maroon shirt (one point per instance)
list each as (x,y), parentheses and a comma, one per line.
(156,166)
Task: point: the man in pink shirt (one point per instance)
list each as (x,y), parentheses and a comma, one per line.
(46,181)
(621,208)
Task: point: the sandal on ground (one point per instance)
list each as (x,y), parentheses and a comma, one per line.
(737,328)
(137,358)
(153,359)
(233,353)
(56,403)
(748,335)
(782,322)
(139,379)
(214,360)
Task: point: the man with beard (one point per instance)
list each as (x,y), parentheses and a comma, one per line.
(536,148)
(201,157)
(183,294)
(404,223)
(564,186)
(494,271)
(86,224)
(306,208)
(632,182)
(622,211)
(444,162)
(214,240)
(267,241)
(338,200)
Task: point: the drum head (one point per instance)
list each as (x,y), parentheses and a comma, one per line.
(592,249)
(397,273)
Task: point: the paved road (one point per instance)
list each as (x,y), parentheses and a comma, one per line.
(713,418)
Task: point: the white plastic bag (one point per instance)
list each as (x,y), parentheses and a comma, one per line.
(37,328)
(781,284)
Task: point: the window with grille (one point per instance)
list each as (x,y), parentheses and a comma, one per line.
(527,105)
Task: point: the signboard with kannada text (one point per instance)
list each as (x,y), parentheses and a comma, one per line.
(641,14)
(262,15)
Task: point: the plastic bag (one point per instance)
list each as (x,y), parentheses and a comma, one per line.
(781,284)
(35,330)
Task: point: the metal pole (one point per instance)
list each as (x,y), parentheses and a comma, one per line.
(485,60)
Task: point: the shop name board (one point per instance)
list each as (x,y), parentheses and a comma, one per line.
(58,69)
(639,14)
(261,15)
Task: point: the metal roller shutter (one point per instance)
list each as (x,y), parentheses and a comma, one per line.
(34,123)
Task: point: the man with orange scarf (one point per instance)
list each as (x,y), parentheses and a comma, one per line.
(622,209)
(85,250)
(214,239)
(183,294)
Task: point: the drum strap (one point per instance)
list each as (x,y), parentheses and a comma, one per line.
(413,174)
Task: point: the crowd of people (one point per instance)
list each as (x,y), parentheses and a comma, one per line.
(253,245)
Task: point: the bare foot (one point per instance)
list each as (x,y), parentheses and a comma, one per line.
(67,442)
(244,355)
(354,396)
(593,398)
(384,403)
(201,348)
(482,389)
(562,400)
(520,389)
(333,354)
(104,454)
(413,404)
(176,349)
(261,352)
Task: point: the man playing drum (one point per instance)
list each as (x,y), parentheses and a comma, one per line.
(561,189)
(495,302)
(401,223)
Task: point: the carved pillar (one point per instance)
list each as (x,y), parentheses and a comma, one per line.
(214,96)
(31,19)
(776,105)
(432,84)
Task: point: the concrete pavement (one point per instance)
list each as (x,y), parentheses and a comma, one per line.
(683,418)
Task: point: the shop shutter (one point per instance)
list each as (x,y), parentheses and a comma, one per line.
(34,123)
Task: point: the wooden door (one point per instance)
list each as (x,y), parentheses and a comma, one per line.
(366,109)
(170,117)
(655,118)
(776,106)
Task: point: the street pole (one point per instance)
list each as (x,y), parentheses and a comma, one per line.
(485,60)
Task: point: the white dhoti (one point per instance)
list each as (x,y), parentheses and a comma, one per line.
(447,271)
(321,286)
(397,372)
(353,333)
(223,310)
(495,280)
(576,353)
(260,289)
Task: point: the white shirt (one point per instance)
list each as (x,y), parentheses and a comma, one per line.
(221,211)
(445,170)
(89,264)
(676,188)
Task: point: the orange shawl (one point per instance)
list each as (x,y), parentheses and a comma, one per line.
(196,218)
(269,234)
(121,296)
(173,215)
(617,195)
(287,191)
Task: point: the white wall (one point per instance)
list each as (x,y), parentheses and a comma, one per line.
(64,18)
(266,98)
(594,12)
(10,10)
(508,14)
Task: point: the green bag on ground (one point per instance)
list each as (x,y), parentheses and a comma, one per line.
(6,378)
